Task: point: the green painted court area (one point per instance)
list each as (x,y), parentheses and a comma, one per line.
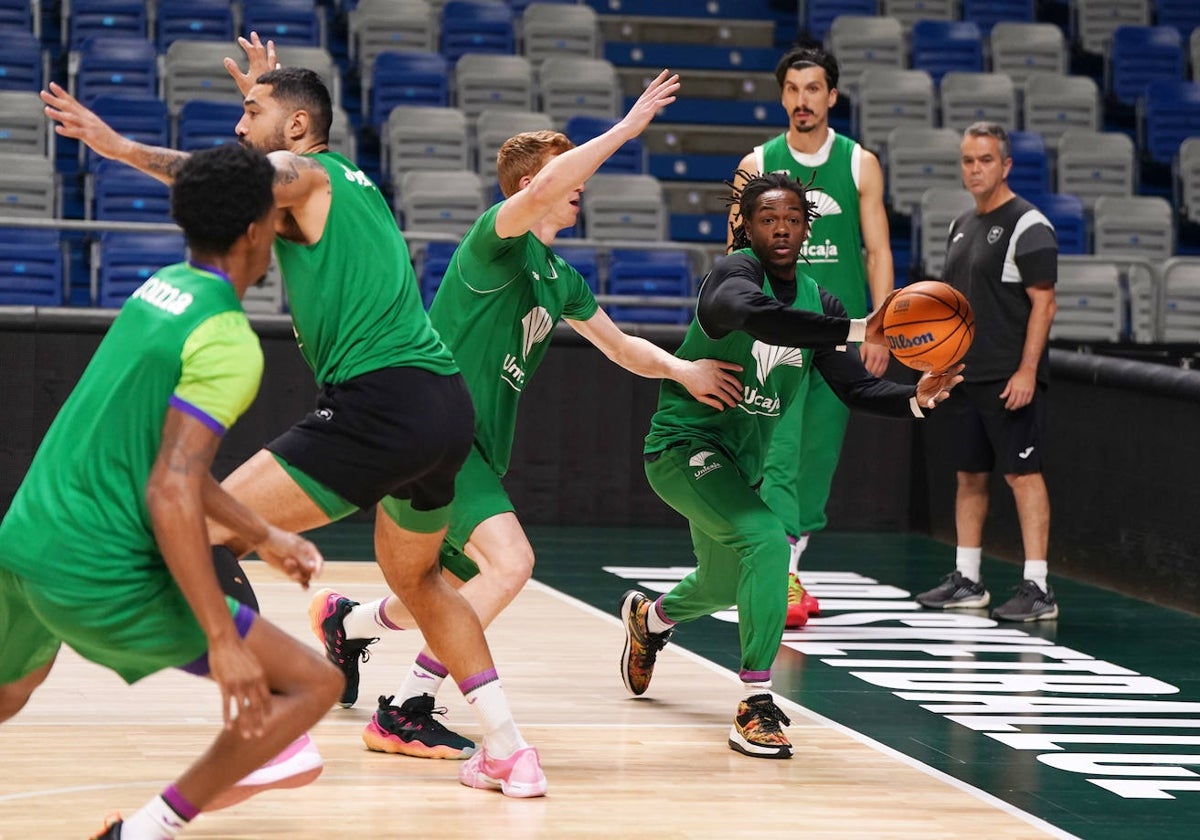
(1090,722)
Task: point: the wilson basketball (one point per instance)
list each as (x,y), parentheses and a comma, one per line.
(929,325)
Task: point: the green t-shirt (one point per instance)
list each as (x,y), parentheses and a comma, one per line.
(80,515)
(353,295)
(496,310)
(771,376)
(834,248)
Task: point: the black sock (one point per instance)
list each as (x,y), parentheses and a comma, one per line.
(232,578)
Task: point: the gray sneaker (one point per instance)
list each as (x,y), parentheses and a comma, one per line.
(955,592)
(1029,603)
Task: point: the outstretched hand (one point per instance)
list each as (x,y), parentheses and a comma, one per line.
(658,94)
(79,123)
(934,386)
(291,554)
(262,59)
(710,381)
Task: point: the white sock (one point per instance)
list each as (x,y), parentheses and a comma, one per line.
(1036,571)
(425,677)
(500,736)
(798,545)
(368,621)
(156,821)
(967,561)
(755,688)
(655,622)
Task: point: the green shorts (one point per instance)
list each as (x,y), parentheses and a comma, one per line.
(135,625)
(478,496)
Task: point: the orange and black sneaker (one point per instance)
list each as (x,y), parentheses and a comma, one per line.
(641,646)
(757,729)
(111,830)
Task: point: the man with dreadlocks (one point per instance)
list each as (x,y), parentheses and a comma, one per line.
(757,310)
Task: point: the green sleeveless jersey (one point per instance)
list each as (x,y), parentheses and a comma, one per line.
(496,310)
(182,340)
(771,376)
(353,295)
(834,249)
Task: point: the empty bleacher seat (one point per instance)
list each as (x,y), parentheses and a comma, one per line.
(1181,300)
(940,46)
(1056,103)
(1093,21)
(1091,303)
(860,42)
(194,70)
(497,125)
(1019,49)
(1138,55)
(407,78)
(31,268)
(83,19)
(116,192)
(22,62)
(24,129)
(624,207)
(699,210)
(630,158)
(652,273)
(987,13)
(115,66)
(1030,173)
(819,16)
(920,158)
(970,97)
(938,207)
(549,29)
(1065,213)
(140,118)
(1187,174)
(584,260)
(440,202)
(889,99)
(192,20)
(488,81)
(1184,15)
(377,26)
(295,22)
(909,12)
(433,259)
(28,186)
(1092,164)
(1168,114)
(1136,225)
(569,85)
(426,138)
(18,14)
(468,26)
(121,262)
(203,124)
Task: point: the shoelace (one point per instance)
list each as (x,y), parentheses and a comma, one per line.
(415,718)
(344,649)
(771,717)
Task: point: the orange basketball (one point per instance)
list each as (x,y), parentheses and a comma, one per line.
(929,325)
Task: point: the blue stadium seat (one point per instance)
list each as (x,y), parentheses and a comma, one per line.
(1169,113)
(21,60)
(584,260)
(105,19)
(1184,15)
(204,124)
(691,56)
(1031,165)
(1139,55)
(140,118)
(407,78)
(819,14)
(124,66)
(630,158)
(193,20)
(476,27)
(434,262)
(939,46)
(1066,213)
(123,194)
(31,268)
(295,22)
(128,259)
(16,15)
(658,273)
(987,13)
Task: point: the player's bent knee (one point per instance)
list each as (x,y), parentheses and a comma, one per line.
(14,695)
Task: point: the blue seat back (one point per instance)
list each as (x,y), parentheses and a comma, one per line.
(204,124)
(20,60)
(476,27)
(407,78)
(128,260)
(295,22)
(123,194)
(987,13)
(939,46)
(584,260)
(140,118)
(31,268)
(656,273)
(193,20)
(630,158)
(105,19)
(1031,165)
(434,264)
(125,66)
(1140,55)
(1171,113)
(1066,213)
(819,14)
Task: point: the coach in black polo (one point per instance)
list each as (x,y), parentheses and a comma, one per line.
(1003,256)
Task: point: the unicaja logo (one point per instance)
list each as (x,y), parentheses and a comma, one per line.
(535,326)
(767,357)
(698,459)
(903,342)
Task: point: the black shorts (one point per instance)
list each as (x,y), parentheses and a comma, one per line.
(981,434)
(401,432)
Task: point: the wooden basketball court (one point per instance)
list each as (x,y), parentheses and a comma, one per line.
(657,767)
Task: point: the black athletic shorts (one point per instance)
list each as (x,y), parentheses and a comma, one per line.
(981,434)
(401,432)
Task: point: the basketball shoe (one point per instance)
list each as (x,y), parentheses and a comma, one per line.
(520,775)
(111,829)
(641,646)
(801,605)
(410,729)
(1030,603)
(299,764)
(956,591)
(757,729)
(327,611)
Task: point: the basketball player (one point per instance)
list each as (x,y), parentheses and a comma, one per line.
(496,309)
(1003,256)
(104,547)
(804,452)
(757,309)
(394,420)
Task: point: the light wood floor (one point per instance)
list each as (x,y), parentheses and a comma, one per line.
(655,767)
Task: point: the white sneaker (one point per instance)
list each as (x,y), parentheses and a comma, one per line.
(299,764)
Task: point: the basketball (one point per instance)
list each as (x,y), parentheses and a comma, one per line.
(929,325)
